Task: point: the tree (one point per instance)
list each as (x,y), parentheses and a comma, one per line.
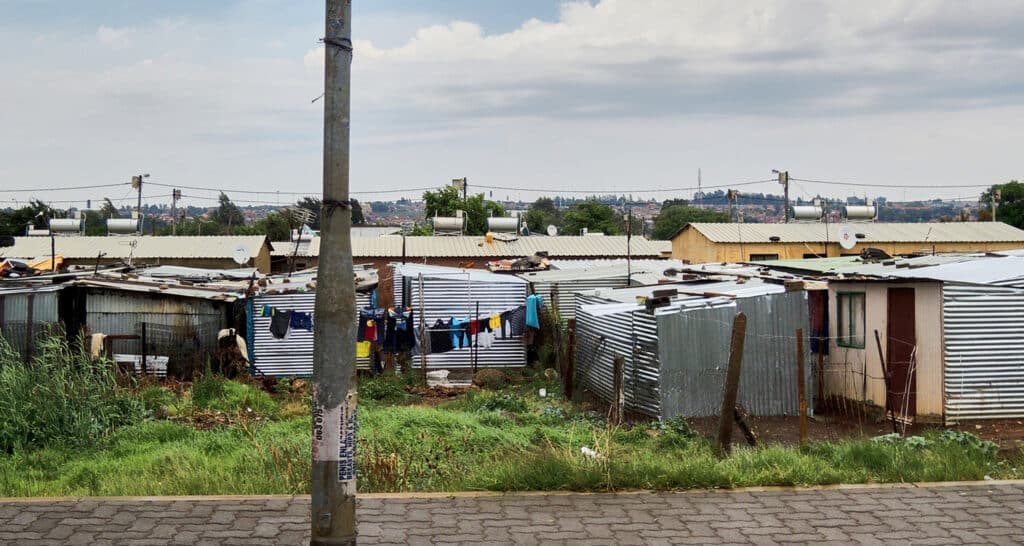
(542,214)
(357,213)
(227,214)
(14,222)
(1009,209)
(594,216)
(673,218)
(109,210)
(276,226)
(673,202)
(445,201)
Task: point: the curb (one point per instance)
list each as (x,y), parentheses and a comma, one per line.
(483,494)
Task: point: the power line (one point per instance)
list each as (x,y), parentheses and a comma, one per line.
(891,186)
(67,188)
(654,190)
(302,193)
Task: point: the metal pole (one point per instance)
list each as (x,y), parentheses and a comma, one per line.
(53,251)
(801,384)
(143,346)
(139,206)
(333,509)
(629,236)
(423,332)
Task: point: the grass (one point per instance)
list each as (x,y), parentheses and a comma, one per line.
(508,440)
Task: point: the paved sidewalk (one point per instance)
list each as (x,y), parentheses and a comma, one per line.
(991,512)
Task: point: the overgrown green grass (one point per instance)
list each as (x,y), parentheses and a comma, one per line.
(486,440)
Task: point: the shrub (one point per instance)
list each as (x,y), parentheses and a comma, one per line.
(385,388)
(63,397)
(215,393)
(490,378)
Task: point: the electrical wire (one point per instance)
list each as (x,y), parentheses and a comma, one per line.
(891,186)
(303,193)
(66,188)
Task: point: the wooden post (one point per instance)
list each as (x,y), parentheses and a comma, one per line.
(887,379)
(423,333)
(801,384)
(619,388)
(142,345)
(570,365)
(732,383)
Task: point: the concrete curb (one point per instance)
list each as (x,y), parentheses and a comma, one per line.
(481,494)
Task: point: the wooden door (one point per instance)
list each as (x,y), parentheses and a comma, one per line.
(900,353)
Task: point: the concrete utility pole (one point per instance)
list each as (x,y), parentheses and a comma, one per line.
(784,180)
(333,509)
(996,196)
(175,196)
(137,184)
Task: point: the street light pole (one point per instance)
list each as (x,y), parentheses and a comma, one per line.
(333,517)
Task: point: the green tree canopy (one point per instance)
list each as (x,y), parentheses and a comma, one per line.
(542,214)
(1009,209)
(38,214)
(673,218)
(446,200)
(227,215)
(594,216)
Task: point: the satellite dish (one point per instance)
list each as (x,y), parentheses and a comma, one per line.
(847,238)
(552,231)
(240,255)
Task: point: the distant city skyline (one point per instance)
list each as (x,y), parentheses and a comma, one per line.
(600,96)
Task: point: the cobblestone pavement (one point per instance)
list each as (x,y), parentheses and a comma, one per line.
(991,512)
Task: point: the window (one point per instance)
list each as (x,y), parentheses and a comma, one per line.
(763,257)
(850,319)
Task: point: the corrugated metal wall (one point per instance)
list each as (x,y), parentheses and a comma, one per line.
(14,312)
(561,294)
(602,337)
(984,352)
(184,329)
(292,356)
(448,294)
(694,354)
(676,360)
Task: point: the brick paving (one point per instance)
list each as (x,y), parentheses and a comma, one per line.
(990,512)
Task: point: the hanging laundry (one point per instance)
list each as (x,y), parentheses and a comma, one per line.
(390,327)
(460,333)
(373,298)
(533,305)
(517,321)
(494,322)
(362,349)
(408,333)
(302,321)
(370,332)
(279,323)
(440,337)
(266,311)
(485,339)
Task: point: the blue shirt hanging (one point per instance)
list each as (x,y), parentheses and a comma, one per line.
(533,305)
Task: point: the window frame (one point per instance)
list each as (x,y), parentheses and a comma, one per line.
(843,306)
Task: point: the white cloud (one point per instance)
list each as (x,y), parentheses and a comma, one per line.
(115,37)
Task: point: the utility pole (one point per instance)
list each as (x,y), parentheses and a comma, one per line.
(175,196)
(461,183)
(784,180)
(629,257)
(997,195)
(731,195)
(333,510)
(700,192)
(137,184)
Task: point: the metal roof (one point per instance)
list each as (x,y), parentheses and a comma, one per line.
(374,231)
(971,268)
(638,264)
(197,292)
(467,246)
(925,233)
(439,272)
(145,247)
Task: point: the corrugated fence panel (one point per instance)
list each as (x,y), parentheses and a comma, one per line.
(118,313)
(562,293)
(984,351)
(44,306)
(293,355)
(448,293)
(694,351)
(602,337)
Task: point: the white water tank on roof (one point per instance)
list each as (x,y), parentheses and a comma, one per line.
(503,225)
(449,223)
(122,226)
(861,212)
(65,225)
(807,212)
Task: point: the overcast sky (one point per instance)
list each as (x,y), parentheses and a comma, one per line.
(603,96)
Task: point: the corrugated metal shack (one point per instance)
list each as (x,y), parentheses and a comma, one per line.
(676,356)
(177,321)
(445,292)
(565,279)
(293,355)
(27,313)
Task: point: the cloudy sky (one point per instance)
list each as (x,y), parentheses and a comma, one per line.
(600,96)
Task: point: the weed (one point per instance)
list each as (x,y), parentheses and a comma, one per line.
(63,397)
(384,388)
